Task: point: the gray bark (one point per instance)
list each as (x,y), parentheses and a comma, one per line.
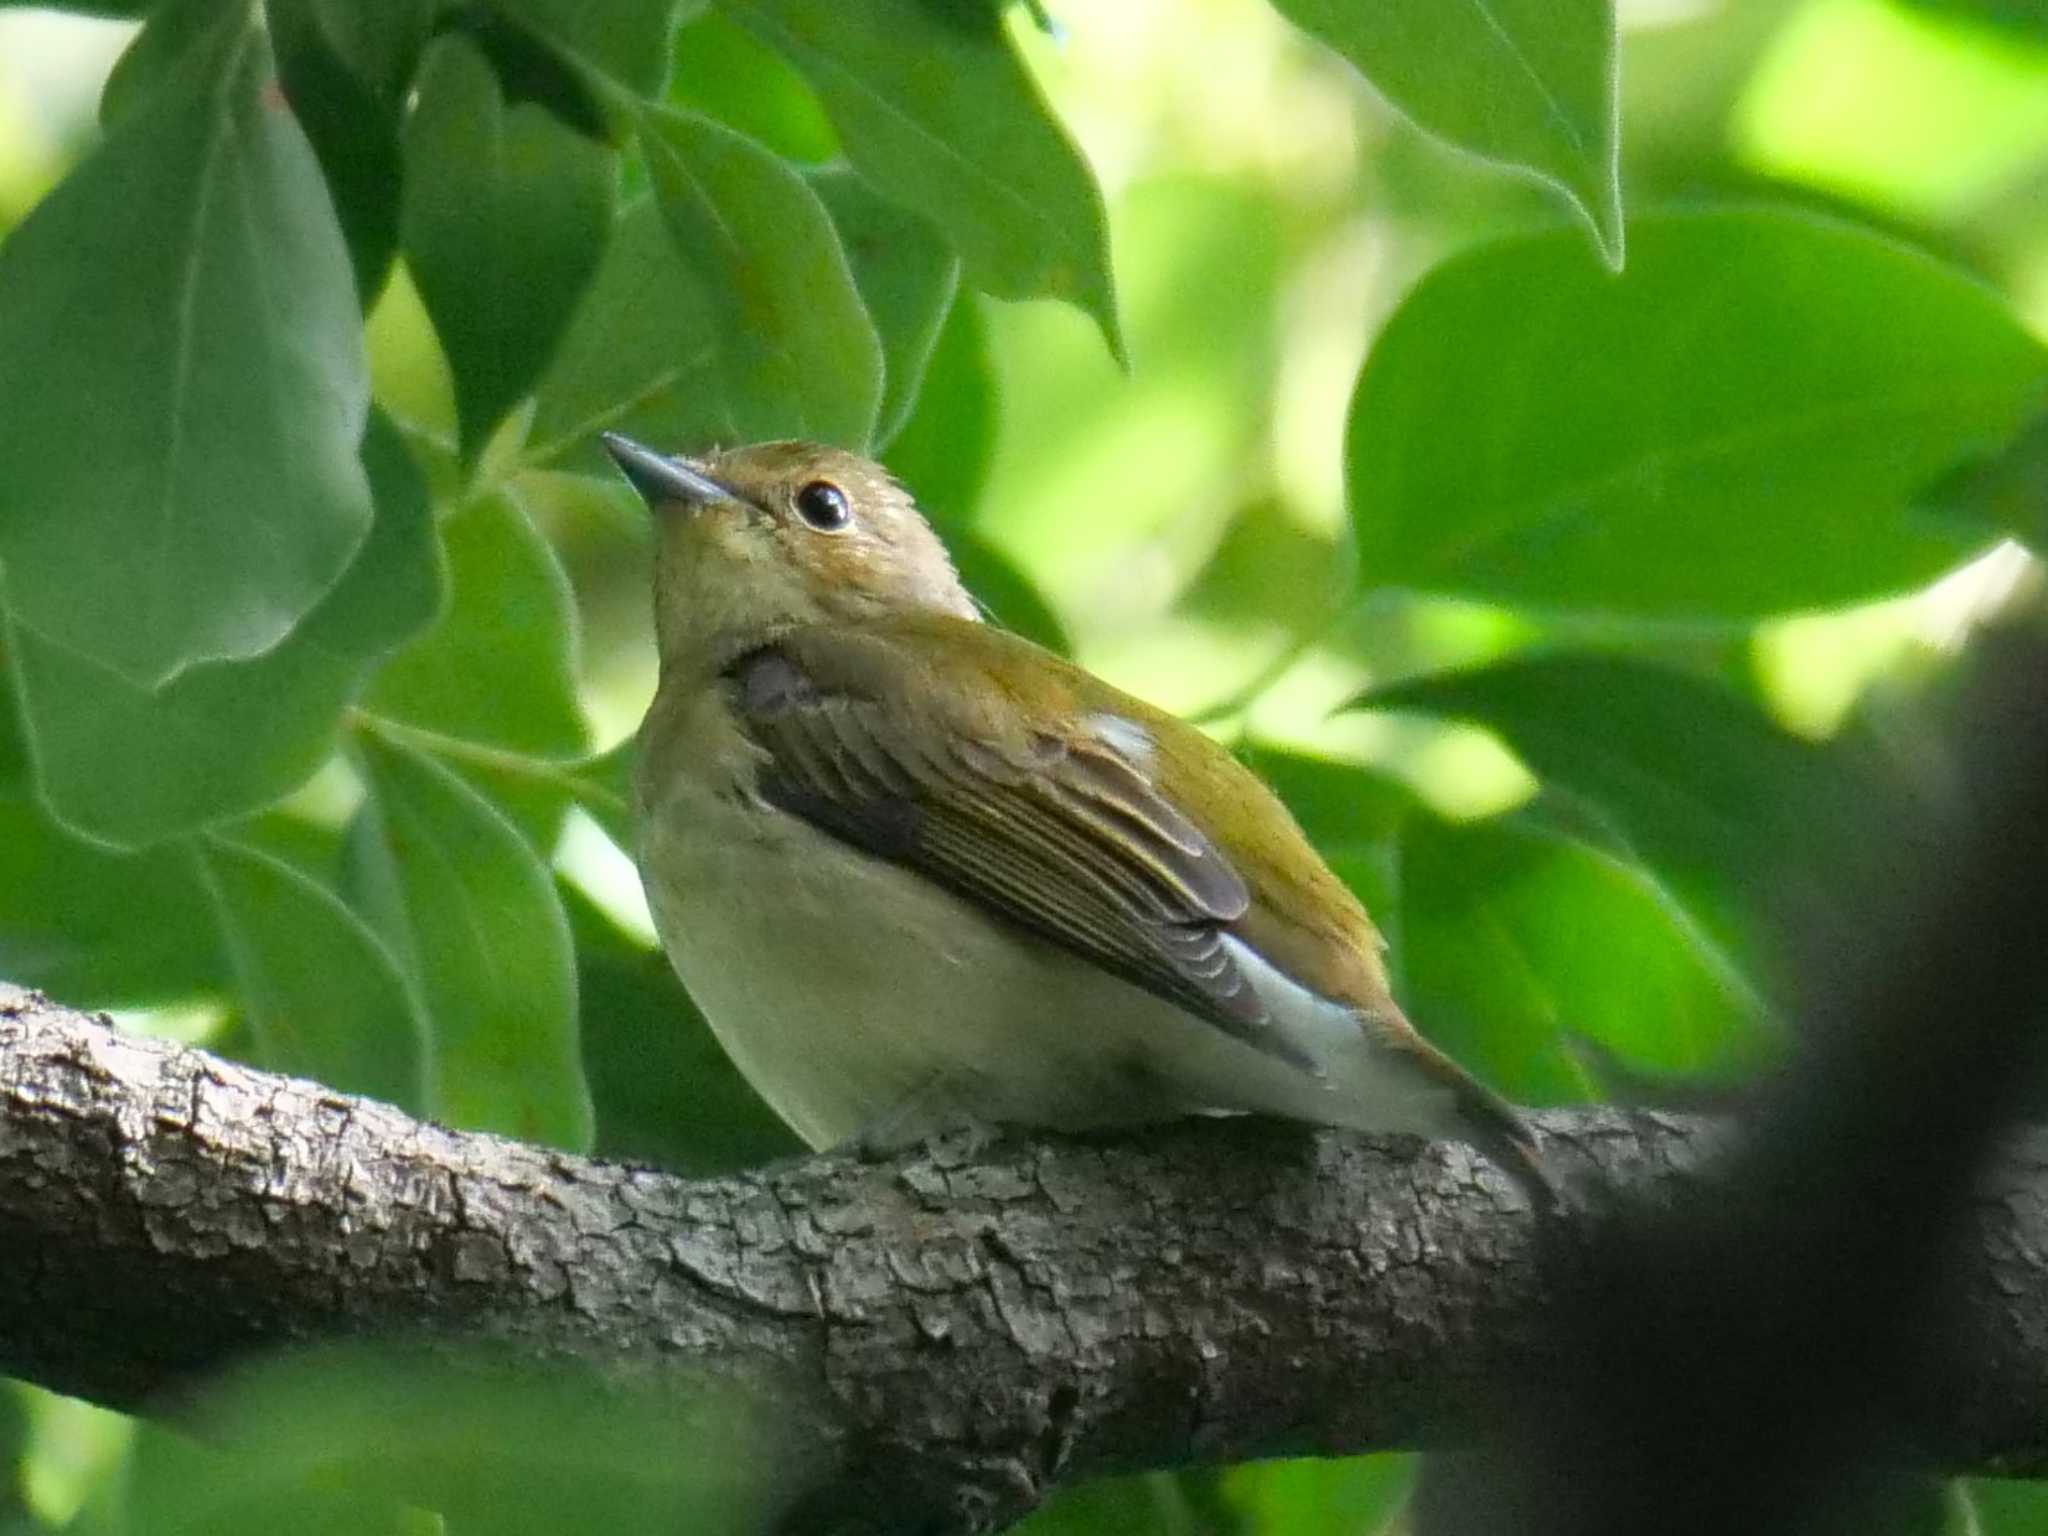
(951,1333)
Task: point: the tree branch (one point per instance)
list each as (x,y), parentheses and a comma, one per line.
(955,1335)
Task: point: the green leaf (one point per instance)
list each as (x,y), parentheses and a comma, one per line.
(1147,1504)
(907,277)
(1005,594)
(14,1451)
(1733,427)
(1344,809)
(130,767)
(943,452)
(664,1090)
(2025,21)
(174,28)
(473,914)
(797,351)
(726,72)
(1347,1496)
(316,849)
(1531,84)
(99,929)
(1493,963)
(505,218)
(532,71)
(2006,1506)
(641,355)
(180,407)
(498,667)
(492,689)
(1097,470)
(359,1440)
(380,42)
(1688,775)
(322,996)
(934,108)
(2006,491)
(603,787)
(626,42)
(353,129)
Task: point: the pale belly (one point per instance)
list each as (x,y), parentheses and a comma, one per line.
(858,997)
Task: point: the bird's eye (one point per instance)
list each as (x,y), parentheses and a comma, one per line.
(824,506)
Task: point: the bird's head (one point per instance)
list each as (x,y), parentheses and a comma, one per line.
(754,540)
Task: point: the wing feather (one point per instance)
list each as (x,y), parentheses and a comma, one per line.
(1053,828)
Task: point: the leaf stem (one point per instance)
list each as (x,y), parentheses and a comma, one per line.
(500,759)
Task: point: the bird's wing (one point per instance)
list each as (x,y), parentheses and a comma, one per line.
(1028,812)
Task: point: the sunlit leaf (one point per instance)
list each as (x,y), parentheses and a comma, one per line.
(2024,19)
(180,406)
(933,106)
(1493,964)
(1735,426)
(322,996)
(1343,1496)
(129,766)
(640,357)
(473,914)
(505,219)
(1528,83)
(797,351)
(1101,477)
(726,72)
(1693,778)
(1821,108)
(906,276)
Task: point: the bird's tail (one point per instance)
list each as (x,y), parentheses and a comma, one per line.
(1478,1114)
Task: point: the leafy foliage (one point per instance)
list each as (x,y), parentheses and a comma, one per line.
(1529,85)
(316,690)
(505,218)
(932,107)
(215,350)
(1795,383)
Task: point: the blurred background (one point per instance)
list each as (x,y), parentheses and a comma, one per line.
(1181,527)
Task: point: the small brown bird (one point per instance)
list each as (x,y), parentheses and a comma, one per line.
(918,871)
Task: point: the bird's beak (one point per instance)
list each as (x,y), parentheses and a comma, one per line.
(662,481)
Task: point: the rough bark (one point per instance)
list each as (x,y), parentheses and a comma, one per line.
(953,1333)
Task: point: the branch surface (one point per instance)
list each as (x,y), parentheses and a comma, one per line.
(953,1333)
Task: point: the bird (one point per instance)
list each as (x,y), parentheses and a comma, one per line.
(918,872)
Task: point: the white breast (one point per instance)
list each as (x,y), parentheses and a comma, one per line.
(853,993)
